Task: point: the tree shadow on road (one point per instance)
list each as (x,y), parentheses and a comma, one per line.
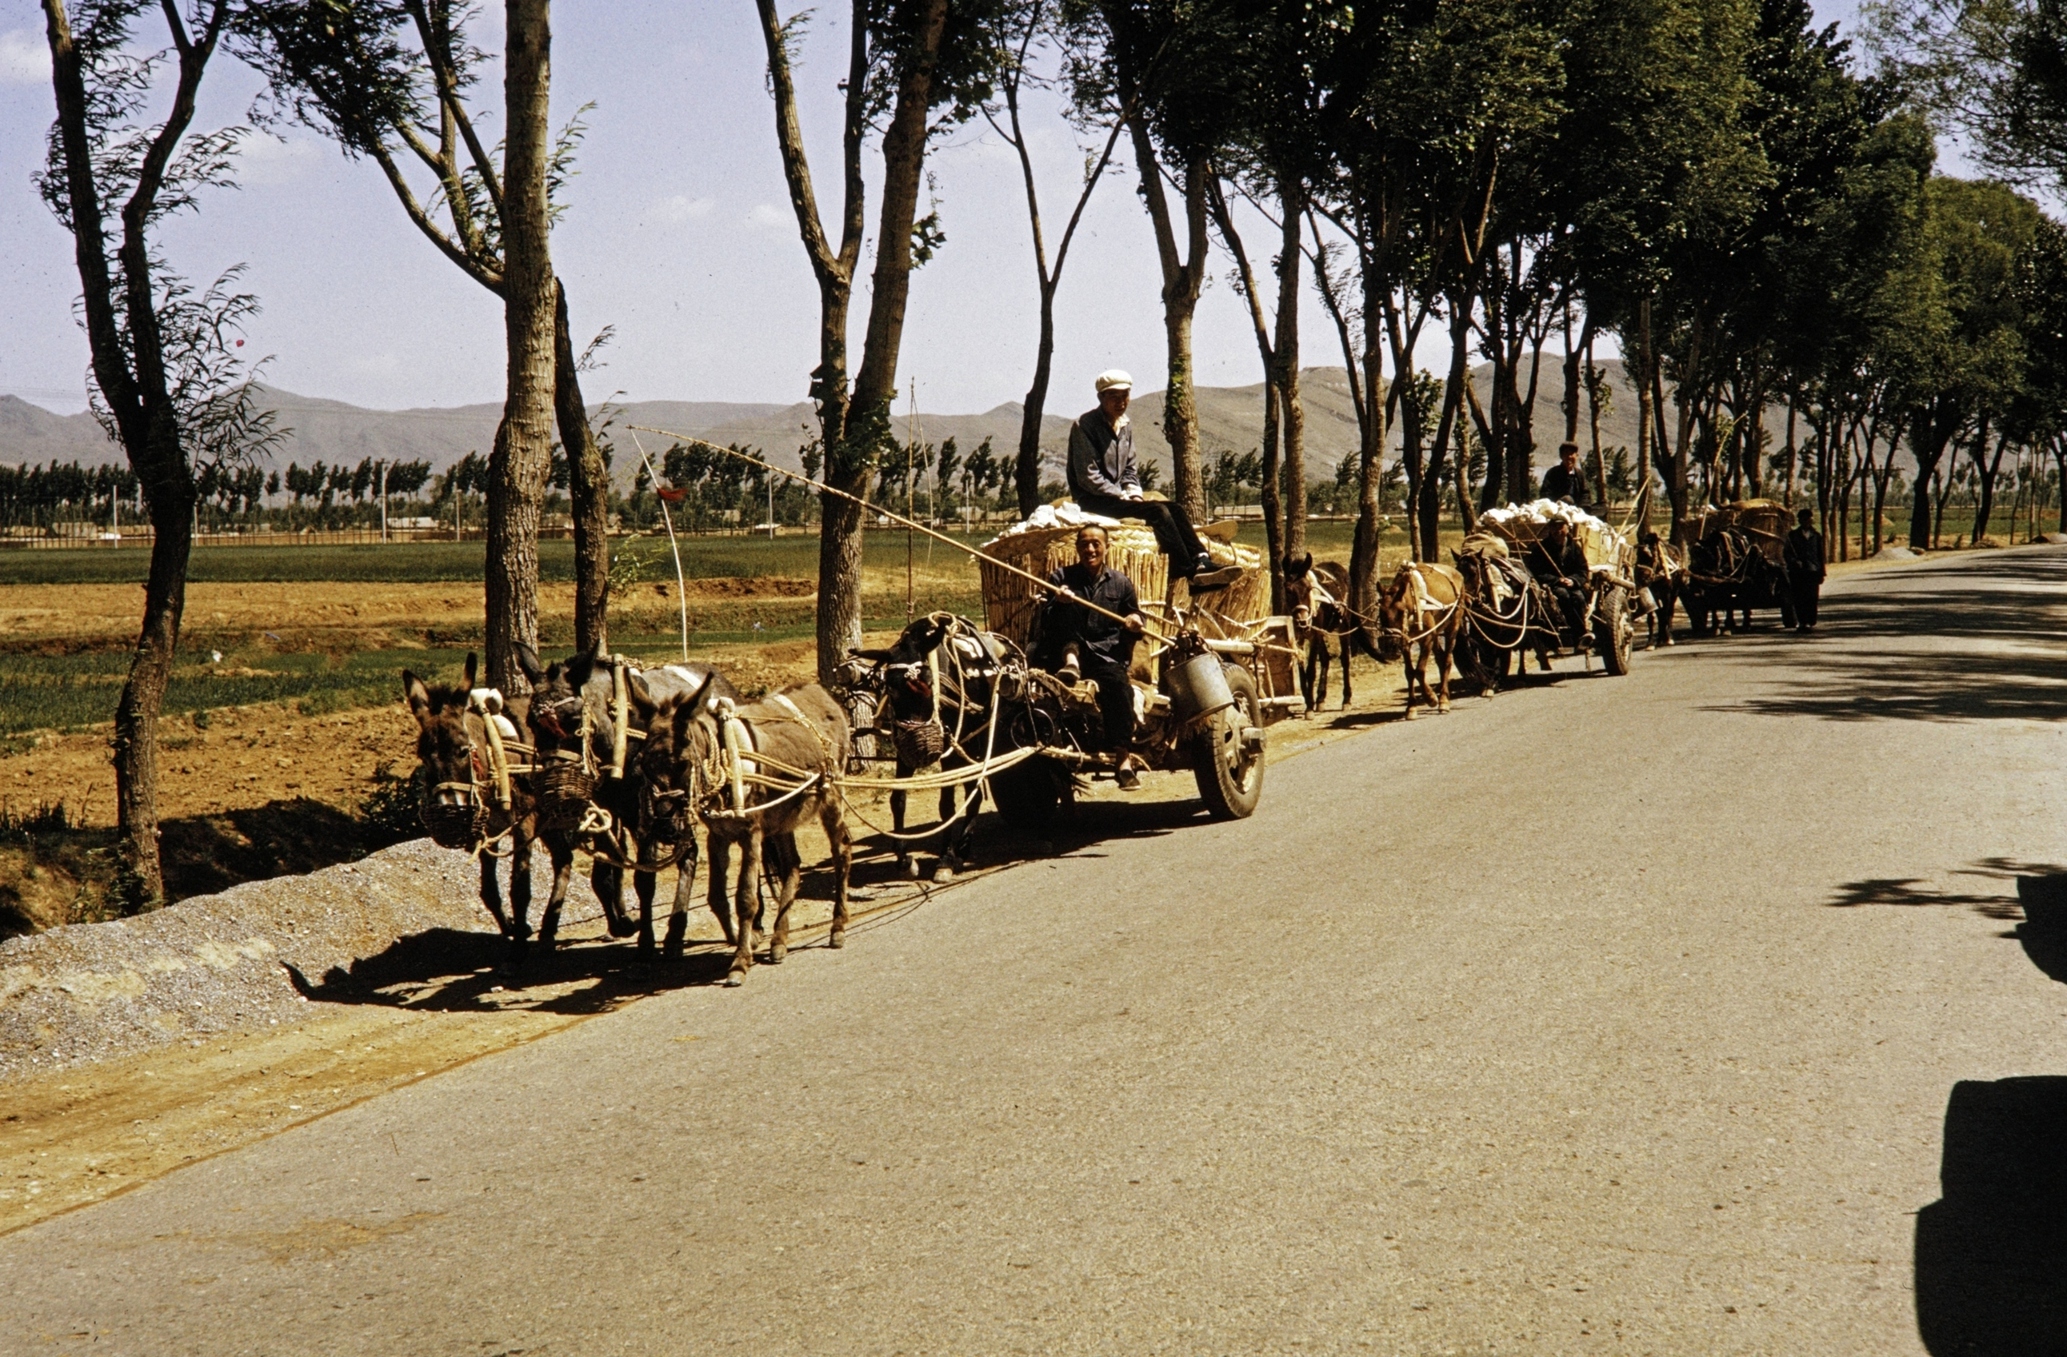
(1991,1253)
(2009,603)
(1911,890)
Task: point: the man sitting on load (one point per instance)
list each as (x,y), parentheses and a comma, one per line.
(1559,565)
(1565,481)
(1077,642)
(1104,479)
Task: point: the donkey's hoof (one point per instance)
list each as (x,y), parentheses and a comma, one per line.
(943,874)
(623,928)
(909,867)
(734,979)
(838,938)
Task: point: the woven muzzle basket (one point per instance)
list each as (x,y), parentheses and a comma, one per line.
(564,792)
(454,825)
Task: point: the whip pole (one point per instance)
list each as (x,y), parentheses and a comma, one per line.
(900,518)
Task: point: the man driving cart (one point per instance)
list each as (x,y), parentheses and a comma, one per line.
(1559,565)
(1077,642)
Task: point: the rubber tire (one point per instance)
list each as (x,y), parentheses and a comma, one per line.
(1612,631)
(1229,794)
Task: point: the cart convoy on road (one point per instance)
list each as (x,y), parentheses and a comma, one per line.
(625,763)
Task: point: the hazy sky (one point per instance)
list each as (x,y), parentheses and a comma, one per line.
(678,232)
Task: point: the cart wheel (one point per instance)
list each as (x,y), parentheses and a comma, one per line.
(1612,630)
(1028,794)
(1229,771)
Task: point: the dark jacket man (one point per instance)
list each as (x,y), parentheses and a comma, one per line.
(1804,557)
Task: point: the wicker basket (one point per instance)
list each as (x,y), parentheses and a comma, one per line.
(564,791)
(1012,602)
(453,825)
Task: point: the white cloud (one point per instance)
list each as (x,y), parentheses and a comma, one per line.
(680,208)
(766,216)
(267,159)
(24,58)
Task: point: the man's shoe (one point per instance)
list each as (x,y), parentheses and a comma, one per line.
(1202,564)
(1127,779)
(1071,670)
(1215,579)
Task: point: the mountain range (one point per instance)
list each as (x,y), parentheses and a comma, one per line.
(1230,418)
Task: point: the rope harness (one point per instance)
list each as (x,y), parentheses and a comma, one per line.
(468,822)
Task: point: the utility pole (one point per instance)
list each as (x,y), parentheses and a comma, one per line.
(383,501)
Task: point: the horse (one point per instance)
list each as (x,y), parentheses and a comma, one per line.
(574,723)
(922,695)
(1421,613)
(472,800)
(704,758)
(1315,594)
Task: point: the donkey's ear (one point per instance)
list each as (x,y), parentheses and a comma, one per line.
(640,696)
(579,669)
(473,668)
(527,662)
(417,695)
(600,655)
(705,692)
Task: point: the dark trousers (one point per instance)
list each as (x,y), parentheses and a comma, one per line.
(1115,699)
(1173,530)
(1805,588)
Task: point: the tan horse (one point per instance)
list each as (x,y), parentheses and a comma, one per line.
(1421,614)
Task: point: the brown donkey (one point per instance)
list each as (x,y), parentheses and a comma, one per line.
(464,780)
(744,791)
(1421,614)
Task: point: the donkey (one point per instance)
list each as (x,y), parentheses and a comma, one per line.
(686,769)
(921,701)
(1315,594)
(1421,614)
(574,696)
(462,809)
(1662,571)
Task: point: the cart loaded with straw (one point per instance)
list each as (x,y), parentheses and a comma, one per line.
(1215,670)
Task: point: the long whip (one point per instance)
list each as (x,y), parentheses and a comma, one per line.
(907,522)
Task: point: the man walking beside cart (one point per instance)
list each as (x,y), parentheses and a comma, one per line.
(1804,558)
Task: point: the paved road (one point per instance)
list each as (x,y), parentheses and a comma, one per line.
(1612,1015)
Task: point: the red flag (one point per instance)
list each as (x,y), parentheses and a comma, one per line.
(671,496)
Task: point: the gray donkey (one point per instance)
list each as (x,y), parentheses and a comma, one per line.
(684,770)
(573,696)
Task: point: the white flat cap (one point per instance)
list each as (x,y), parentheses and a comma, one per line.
(1114,380)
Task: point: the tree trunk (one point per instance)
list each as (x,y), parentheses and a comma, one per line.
(1593,381)
(1642,382)
(1986,470)
(1430,506)
(588,486)
(1026,469)
(1291,198)
(875,384)
(1363,556)
(524,444)
(1183,277)
(1928,437)
(143,696)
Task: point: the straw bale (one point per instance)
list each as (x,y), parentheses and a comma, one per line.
(1012,602)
